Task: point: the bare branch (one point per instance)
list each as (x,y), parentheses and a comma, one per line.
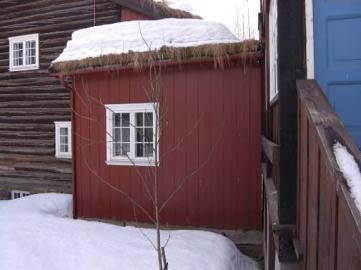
(130,199)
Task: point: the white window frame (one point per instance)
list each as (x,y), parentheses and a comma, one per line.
(58,126)
(23,40)
(310,53)
(20,192)
(273,48)
(132,109)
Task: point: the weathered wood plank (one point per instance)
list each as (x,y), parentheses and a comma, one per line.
(330,236)
(271,150)
(327,219)
(313,201)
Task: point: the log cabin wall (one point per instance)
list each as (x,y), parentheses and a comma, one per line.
(30,101)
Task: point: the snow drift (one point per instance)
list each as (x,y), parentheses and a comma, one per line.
(37,233)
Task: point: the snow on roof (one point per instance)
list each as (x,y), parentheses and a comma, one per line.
(143,36)
(350,170)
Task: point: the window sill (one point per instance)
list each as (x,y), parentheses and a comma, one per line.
(14,69)
(63,156)
(142,163)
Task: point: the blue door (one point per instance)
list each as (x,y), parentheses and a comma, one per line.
(337,34)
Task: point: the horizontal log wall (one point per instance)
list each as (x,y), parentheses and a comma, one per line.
(30,101)
(328,224)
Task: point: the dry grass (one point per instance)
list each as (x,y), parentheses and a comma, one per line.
(162,10)
(218,53)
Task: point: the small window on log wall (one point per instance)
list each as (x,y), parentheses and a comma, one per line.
(131,134)
(16,194)
(63,139)
(24,52)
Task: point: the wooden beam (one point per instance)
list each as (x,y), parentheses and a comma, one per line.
(271,150)
(272,200)
(290,68)
(282,233)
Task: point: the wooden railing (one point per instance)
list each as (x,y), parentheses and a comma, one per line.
(327,235)
(328,223)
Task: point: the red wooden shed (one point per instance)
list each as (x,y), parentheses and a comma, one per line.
(209,146)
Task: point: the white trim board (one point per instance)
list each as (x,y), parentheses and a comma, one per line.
(310,53)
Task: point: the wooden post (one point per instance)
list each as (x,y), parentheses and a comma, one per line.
(290,67)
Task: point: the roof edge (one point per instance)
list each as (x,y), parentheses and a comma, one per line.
(156,10)
(220,54)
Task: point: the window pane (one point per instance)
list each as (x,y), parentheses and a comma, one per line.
(116,149)
(139,150)
(63,139)
(149,150)
(30,52)
(139,117)
(125,119)
(63,131)
(126,135)
(121,119)
(149,134)
(18,54)
(121,149)
(64,148)
(148,119)
(116,135)
(140,134)
(17,46)
(30,44)
(116,119)
(125,149)
(30,60)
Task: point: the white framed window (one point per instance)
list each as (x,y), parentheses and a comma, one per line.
(16,194)
(130,133)
(24,52)
(63,139)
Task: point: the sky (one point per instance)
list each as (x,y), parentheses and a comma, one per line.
(232,13)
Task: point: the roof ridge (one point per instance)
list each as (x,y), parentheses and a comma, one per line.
(155,9)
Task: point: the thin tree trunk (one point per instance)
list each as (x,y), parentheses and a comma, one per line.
(159,251)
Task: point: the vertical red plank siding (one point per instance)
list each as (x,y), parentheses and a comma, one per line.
(180,131)
(205,146)
(127,14)
(228,151)
(191,145)
(215,168)
(76,161)
(168,161)
(255,130)
(215,115)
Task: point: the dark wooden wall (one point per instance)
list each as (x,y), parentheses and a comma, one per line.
(328,223)
(225,193)
(30,101)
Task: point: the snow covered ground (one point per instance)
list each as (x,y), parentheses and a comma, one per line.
(350,170)
(36,233)
(140,36)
